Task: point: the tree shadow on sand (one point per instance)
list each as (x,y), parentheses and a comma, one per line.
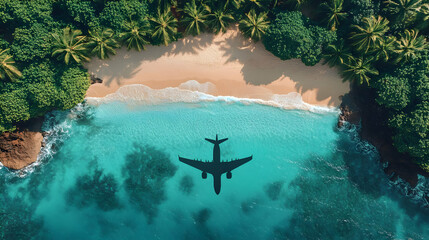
(260,67)
(126,64)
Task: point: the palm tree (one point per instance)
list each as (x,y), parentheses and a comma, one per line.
(219,20)
(194,18)
(70,44)
(358,70)
(404,11)
(367,37)
(8,69)
(333,11)
(102,43)
(409,45)
(384,49)
(254,25)
(135,35)
(165,27)
(336,54)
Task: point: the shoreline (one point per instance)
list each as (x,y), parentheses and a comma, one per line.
(228,63)
(365,112)
(193,92)
(229,66)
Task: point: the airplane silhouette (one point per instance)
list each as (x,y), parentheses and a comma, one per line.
(216,167)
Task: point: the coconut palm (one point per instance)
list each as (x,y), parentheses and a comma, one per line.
(8,70)
(336,54)
(102,43)
(358,69)
(219,20)
(333,11)
(409,45)
(254,25)
(195,18)
(165,27)
(135,35)
(404,11)
(370,34)
(70,44)
(384,49)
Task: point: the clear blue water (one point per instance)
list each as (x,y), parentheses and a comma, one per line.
(115,175)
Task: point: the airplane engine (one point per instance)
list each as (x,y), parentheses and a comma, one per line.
(204,175)
(229,175)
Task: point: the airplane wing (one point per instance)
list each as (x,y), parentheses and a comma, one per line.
(228,166)
(203,166)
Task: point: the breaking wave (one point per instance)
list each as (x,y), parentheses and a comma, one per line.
(192,92)
(419,194)
(56,129)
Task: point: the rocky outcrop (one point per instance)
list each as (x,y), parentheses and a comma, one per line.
(20,148)
(349,111)
(359,106)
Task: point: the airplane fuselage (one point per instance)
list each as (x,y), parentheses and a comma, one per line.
(216,161)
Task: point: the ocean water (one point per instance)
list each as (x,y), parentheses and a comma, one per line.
(111,171)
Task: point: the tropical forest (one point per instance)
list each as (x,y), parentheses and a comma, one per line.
(379,46)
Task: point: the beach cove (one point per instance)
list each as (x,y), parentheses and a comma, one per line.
(308,178)
(228,65)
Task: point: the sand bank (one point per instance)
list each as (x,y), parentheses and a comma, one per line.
(230,64)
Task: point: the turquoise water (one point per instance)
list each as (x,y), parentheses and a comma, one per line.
(115,175)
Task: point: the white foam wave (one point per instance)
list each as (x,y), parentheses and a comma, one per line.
(56,128)
(190,92)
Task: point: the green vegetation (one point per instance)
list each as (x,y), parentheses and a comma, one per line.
(135,35)
(70,44)
(293,35)
(378,45)
(164,28)
(8,70)
(254,25)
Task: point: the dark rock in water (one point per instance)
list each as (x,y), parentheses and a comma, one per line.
(273,190)
(349,111)
(374,129)
(99,189)
(202,216)
(145,171)
(186,184)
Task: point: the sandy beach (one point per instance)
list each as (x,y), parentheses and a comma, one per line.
(228,64)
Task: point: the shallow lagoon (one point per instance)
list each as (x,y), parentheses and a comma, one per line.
(115,175)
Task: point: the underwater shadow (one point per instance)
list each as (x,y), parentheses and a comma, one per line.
(365,170)
(146,171)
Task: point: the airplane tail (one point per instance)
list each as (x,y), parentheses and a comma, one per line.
(216,141)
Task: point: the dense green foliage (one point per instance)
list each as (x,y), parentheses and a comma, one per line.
(405,92)
(377,44)
(292,35)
